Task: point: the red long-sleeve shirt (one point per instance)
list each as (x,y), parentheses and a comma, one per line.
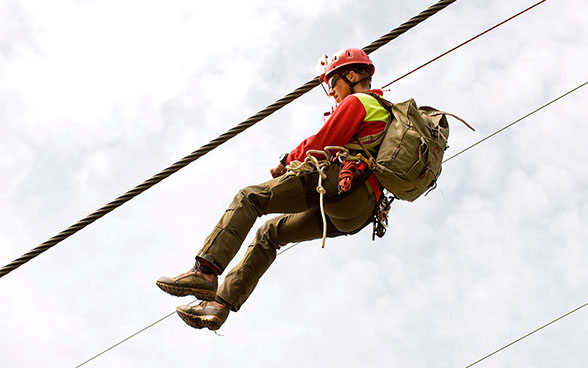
(357,115)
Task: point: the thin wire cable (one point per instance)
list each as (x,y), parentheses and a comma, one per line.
(527,335)
(130,337)
(516,121)
(159,320)
(213,144)
(466,42)
(288,248)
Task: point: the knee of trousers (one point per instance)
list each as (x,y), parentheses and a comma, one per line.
(263,250)
(242,280)
(252,196)
(267,241)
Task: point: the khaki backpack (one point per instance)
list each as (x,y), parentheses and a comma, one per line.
(409,159)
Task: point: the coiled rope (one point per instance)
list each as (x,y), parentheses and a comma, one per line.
(213,144)
(312,163)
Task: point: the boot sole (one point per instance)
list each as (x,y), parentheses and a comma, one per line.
(174,290)
(211,322)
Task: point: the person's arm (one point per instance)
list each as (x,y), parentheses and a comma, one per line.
(280,168)
(337,131)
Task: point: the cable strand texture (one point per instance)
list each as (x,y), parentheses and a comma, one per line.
(213,144)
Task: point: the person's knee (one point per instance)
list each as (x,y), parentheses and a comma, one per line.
(250,196)
(267,235)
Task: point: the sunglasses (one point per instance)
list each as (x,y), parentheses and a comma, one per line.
(334,80)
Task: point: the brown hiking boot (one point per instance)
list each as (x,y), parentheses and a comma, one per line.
(194,282)
(206,314)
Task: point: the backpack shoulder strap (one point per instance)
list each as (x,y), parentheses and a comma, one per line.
(385,103)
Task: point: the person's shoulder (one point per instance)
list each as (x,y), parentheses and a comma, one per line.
(373,93)
(366,98)
(352,99)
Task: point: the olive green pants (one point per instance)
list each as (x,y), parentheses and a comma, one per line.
(296,198)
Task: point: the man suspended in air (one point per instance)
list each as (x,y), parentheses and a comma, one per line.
(351,199)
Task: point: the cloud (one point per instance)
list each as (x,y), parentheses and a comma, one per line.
(98,96)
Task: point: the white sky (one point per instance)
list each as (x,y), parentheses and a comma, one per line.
(97,96)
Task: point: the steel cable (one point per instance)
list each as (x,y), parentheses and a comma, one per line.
(516,121)
(412,22)
(156,322)
(527,335)
(212,144)
(464,43)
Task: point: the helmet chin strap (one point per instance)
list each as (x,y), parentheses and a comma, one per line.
(351,84)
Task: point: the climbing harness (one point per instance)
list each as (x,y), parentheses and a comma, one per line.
(354,167)
(331,154)
(310,164)
(380,217)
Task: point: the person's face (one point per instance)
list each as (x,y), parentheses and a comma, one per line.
(338,88)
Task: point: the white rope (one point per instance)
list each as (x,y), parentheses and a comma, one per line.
(310,164)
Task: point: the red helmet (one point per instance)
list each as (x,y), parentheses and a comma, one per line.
(347,57)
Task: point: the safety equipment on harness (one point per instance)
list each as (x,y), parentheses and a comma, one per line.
(409,159)
(343,58)
(349,171)
(380,219)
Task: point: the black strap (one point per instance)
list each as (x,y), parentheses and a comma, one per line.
(351,84)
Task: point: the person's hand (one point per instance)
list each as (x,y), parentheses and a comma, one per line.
(278,170)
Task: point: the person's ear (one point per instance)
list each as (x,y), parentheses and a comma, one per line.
(351,76)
